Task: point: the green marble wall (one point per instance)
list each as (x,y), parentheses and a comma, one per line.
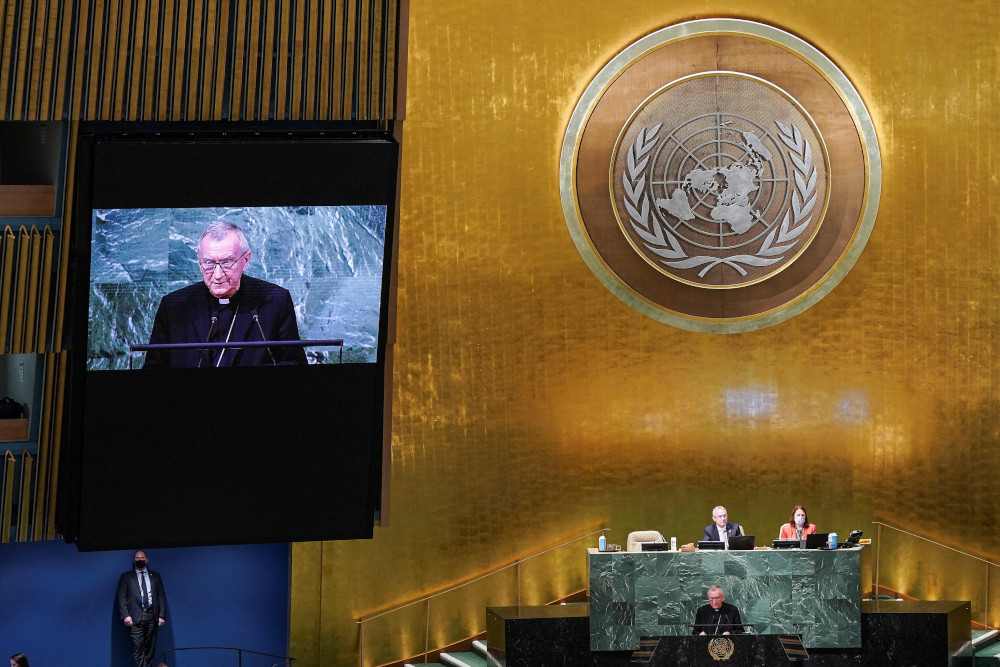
(815,593)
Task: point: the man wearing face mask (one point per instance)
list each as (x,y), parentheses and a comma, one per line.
(142,607)
(798,525)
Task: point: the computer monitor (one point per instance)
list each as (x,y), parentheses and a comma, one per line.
(817,540)
(655,546)
(741,542)
(788,544)
(711,544)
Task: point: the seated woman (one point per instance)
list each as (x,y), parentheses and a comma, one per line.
(798,525)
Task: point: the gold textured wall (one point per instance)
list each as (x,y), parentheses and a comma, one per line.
(530,404)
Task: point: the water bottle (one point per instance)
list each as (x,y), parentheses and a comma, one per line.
(673,544)
(602,543)
(832,541)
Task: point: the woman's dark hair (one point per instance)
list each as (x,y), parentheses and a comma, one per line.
(791,518)
(20,659)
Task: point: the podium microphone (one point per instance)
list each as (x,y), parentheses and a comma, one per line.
(211,328)
(253,314)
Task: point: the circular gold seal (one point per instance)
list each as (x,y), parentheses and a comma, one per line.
(720,175)
(721,648)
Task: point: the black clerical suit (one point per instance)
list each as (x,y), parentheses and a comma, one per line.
(712,622)
(258,311)
(144,611)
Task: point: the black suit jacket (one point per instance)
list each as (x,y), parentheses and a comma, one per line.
(130,596)
(185,316)
(712,531)
(727,619)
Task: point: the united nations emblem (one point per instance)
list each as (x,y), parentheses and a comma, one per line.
(722,207)
(721,648)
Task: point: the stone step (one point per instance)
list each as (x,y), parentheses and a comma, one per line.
(986,650)
(463,659)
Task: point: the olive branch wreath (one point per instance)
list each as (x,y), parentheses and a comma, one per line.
(659,238)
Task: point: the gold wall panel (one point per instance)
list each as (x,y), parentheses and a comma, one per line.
(530,403)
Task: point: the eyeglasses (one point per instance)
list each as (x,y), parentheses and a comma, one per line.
(227,265)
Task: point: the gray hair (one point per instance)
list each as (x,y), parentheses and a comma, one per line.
(220,229)
(716,587)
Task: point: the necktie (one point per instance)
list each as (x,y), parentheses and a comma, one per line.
(145,591)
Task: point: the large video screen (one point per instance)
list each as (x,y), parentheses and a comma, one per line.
(230,318)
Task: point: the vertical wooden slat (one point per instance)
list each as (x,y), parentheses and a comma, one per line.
(7,499)
(50,519)
(187,100)
(204,58)
(302,52)
(45,293)
(6,287)
(46,70)
(115,61)
(24,503)
(241,24)
(31,293)
(58,71)
(280,74)
(30,62)
(128,90)
(318,89)
(20,289)
(71,88)
(369,58)
(156,75)
(45,416)
(260,90)
(177,26)
(218,60)
(343,73)
(266,68)
(6,34)
(273,66)
(18,61)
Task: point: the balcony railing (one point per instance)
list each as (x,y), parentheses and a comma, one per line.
(409,628)
(925,569)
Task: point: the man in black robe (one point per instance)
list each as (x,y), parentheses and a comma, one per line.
(717,617)
(226,306)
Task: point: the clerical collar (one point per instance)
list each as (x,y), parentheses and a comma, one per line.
(223,302)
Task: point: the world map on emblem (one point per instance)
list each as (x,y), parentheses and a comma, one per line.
(716,191)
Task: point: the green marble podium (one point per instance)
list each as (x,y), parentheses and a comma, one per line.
(814,593)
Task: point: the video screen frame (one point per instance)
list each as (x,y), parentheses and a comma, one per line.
(340,423)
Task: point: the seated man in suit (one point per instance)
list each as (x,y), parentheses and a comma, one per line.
(717,617)
(721,530)
(226,306)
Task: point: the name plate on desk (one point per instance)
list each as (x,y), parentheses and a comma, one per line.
(815,594)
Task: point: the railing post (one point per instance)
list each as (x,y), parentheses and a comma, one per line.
(427,630)
(517,567)
(361,644)
(878,552)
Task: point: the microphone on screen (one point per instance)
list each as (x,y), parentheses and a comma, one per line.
(211,328)
(256,319)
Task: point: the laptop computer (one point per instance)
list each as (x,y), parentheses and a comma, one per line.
(741,542)
(711,544)
(817,540)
